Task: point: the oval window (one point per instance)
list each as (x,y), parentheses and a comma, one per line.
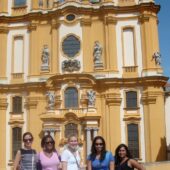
(71,46)
(70,17)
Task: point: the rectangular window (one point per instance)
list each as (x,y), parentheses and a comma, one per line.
(17,104)
(128,47)
(16,140)
(133,140)
(71,98)
(18,55)
(131,100)
(19,3)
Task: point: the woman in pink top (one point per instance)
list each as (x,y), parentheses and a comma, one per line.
(49,157)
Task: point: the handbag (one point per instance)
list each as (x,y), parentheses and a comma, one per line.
(38,164)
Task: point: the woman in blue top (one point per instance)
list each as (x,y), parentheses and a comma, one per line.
(100,159)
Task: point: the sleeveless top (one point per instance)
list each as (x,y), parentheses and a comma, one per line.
(124,166)
(28,159)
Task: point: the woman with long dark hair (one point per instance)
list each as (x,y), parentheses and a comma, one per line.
(48,157)
(100,158)
(124,161)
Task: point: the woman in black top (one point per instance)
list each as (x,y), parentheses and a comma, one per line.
(123,159)
(26,157)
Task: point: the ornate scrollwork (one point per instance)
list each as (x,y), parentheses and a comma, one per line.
(71,65)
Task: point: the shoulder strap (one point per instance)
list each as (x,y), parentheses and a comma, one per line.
(21,150)
(59,157)
(75,159)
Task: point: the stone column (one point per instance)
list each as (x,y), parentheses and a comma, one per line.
(3,49)
(52,133)
(149,36)
(95,132)
(88,139)
(153,106)
(34,63)
(3,130)
(54,64)
(86,28)
(112,123)
(111,59)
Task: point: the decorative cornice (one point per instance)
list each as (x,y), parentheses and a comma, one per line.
(82,8)
(132,118)
(16,122)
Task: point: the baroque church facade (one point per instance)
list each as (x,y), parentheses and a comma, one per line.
(88,67)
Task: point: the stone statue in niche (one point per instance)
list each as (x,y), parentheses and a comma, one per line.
(97,53)
(157,57)
(45,58)
(91,95)
(51,99)
(40,3)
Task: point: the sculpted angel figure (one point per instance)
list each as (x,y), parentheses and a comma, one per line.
(97,53)
(157,57)
(51,99)
(91,95)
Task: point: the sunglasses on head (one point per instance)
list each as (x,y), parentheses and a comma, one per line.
(99,144)
(28,140)
(49,142)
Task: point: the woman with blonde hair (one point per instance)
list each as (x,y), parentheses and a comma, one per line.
(70,158)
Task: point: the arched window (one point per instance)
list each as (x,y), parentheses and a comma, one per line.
(131,99)
(70,129)
(71,97)
(133,139)
(16,140)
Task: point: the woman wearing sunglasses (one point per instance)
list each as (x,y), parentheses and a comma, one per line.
(100,158)
(48,157)
(26,157)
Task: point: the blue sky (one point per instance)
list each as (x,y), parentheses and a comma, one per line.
(164,34)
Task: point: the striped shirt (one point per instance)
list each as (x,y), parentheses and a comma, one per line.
(28,159)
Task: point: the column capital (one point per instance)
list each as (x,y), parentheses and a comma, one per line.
(143,18)
(111,20)
(88,128)
(32,27)
(3,104)
(113,99)
(31,102)
(4,30)
(95,128)
(85,21)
